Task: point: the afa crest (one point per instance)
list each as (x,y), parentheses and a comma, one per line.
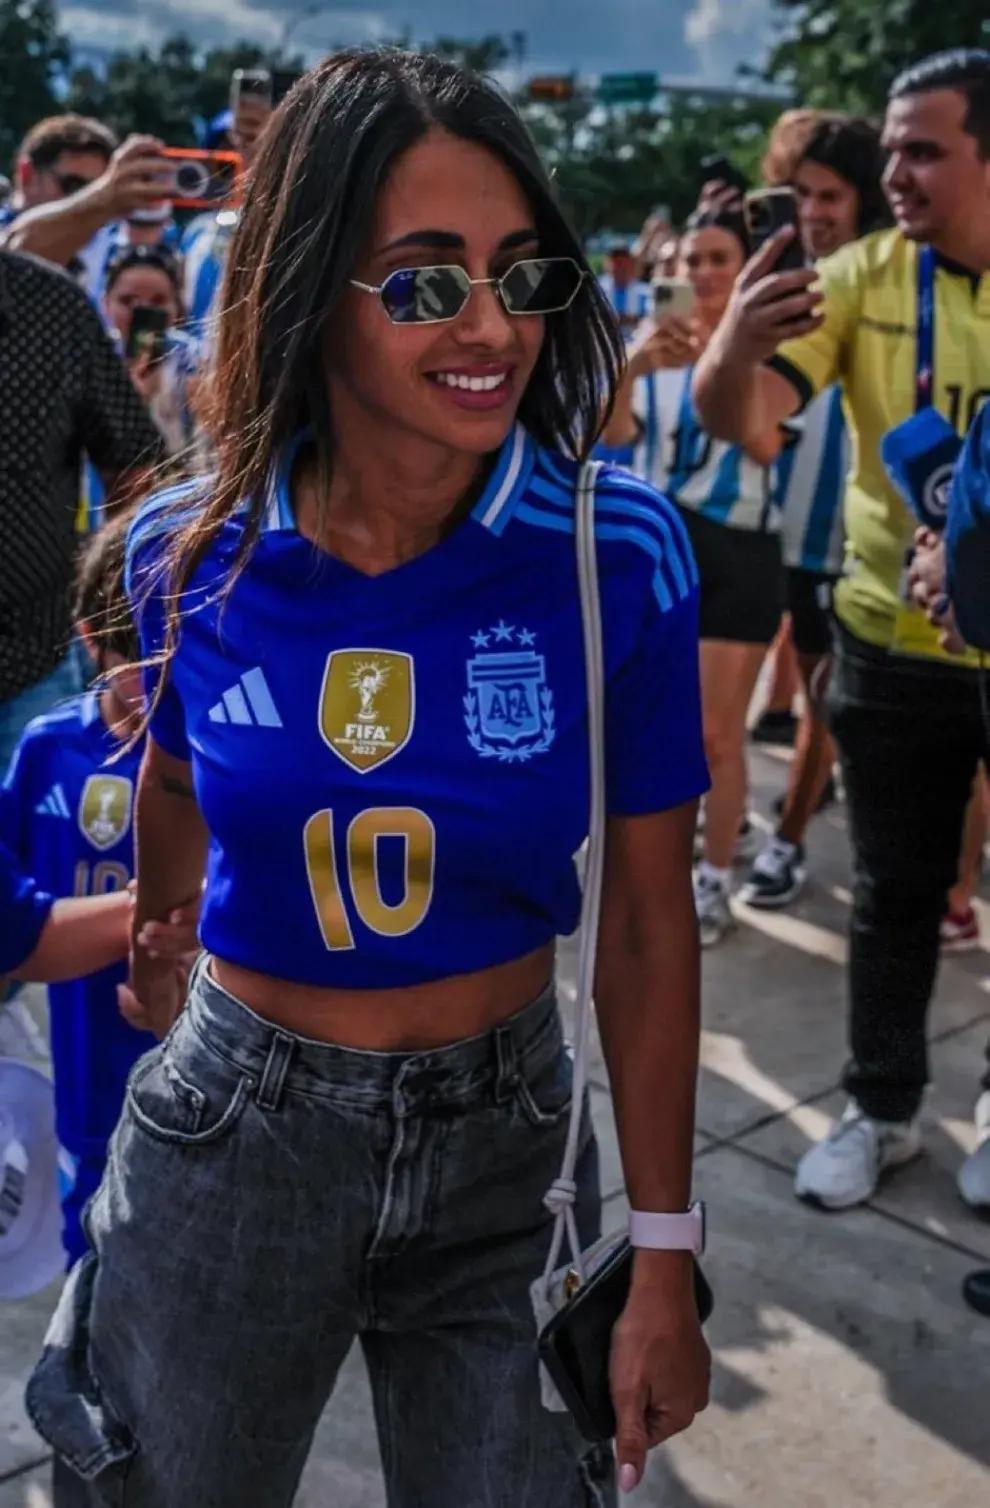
(367,706)
(508,708)
(105,810)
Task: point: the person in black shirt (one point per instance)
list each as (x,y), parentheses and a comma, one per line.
(63,391)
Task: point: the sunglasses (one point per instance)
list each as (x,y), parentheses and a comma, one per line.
(72,183)
(433,295)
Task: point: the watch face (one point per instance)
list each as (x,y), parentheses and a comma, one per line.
(702,1210)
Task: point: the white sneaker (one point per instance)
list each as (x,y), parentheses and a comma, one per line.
(974,1175)
(845,1168)
(711,902)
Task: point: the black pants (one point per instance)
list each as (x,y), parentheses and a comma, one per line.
(910,735)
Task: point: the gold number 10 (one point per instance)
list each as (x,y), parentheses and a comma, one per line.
(404,822)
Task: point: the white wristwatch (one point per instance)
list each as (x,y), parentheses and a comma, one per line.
(669,1232)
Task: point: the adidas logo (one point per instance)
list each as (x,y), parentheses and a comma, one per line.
(248,703)
(54,804)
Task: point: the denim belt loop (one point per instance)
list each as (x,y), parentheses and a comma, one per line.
(269,1095)
(507,1064)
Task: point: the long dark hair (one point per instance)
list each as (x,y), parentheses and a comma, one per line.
(325,157)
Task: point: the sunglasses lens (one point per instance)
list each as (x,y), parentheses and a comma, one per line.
(541,285)
(425,295)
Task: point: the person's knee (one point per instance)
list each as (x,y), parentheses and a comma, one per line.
(723,743)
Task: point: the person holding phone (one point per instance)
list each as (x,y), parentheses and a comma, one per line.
(142,305)
(724,495)
(833,164)
(364,656)
(901,320)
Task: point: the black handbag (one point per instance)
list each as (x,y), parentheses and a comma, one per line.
(586,1298)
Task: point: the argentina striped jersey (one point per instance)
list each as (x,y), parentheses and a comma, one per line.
(698,472)
(810,482)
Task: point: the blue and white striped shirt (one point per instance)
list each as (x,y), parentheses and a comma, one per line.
(631,304)
(810,482)
(696,471)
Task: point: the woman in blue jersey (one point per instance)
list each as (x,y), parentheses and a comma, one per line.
(725,499)
(369,726)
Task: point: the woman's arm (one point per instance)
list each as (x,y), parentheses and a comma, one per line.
(648,1002)
(171,843)
(668,343)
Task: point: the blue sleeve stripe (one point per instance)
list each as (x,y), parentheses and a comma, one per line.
(671,535)
(669,592)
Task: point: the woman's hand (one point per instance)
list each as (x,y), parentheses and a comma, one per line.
(162,955)
(146,376)
(717,198)
(669,343)
(660,1364)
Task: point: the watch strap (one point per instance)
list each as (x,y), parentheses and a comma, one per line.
(669,1232)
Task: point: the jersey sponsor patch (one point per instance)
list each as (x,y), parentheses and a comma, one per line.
(105,810)
(508,708)
(367,705)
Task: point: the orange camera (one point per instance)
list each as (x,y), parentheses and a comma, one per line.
(205,180)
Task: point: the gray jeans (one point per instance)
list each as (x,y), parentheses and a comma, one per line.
(268,1200)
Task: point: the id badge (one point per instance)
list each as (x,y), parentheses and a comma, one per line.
(920,457)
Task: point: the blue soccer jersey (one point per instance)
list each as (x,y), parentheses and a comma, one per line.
(204,247)
(394,769)
(24,910)
(66,812)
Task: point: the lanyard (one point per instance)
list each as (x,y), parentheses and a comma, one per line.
(925,356)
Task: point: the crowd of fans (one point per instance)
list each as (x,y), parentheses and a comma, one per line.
(783,406)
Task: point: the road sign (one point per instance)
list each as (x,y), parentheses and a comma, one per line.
(551,89)
(627,88)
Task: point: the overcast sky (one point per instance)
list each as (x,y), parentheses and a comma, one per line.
(703,39)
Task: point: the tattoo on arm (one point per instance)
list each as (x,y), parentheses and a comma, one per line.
(172,785)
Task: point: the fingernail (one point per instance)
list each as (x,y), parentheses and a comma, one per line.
(628,1478)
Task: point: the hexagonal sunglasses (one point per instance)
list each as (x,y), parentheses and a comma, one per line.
(434,295)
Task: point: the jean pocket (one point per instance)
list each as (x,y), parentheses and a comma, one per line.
(66,1404)
(544,1093)
(183,1092)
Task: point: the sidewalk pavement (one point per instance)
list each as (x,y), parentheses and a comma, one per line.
(848,1373)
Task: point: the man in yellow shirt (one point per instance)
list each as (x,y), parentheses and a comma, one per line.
(899,327)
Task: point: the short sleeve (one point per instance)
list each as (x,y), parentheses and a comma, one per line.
(18,795)
(24,910)
(654,744)
(814,362)
(114,425)
(146,578)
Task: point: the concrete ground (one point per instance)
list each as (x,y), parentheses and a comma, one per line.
(847,1371)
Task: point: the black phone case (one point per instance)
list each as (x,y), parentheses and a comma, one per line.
(575,1345)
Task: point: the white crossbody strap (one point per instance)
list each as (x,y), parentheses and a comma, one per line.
(560,1199)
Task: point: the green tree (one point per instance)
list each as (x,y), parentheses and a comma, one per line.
(33,53)
(844,54)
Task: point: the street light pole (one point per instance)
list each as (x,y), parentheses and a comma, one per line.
(296,20)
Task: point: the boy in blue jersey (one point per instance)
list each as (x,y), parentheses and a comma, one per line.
(66,814)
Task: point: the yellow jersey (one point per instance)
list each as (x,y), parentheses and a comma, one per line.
(868,344)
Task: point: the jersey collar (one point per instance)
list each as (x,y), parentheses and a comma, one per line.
(508,478)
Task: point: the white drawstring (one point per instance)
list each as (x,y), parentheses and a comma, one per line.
(560,1198)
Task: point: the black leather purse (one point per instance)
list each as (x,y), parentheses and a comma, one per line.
(584,1300)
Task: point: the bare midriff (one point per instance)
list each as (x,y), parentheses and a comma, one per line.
(414,1019)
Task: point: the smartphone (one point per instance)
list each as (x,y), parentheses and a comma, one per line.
(253,82)
(717,168)
(673,296)
(146,336)
(768,211)
(203,180)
